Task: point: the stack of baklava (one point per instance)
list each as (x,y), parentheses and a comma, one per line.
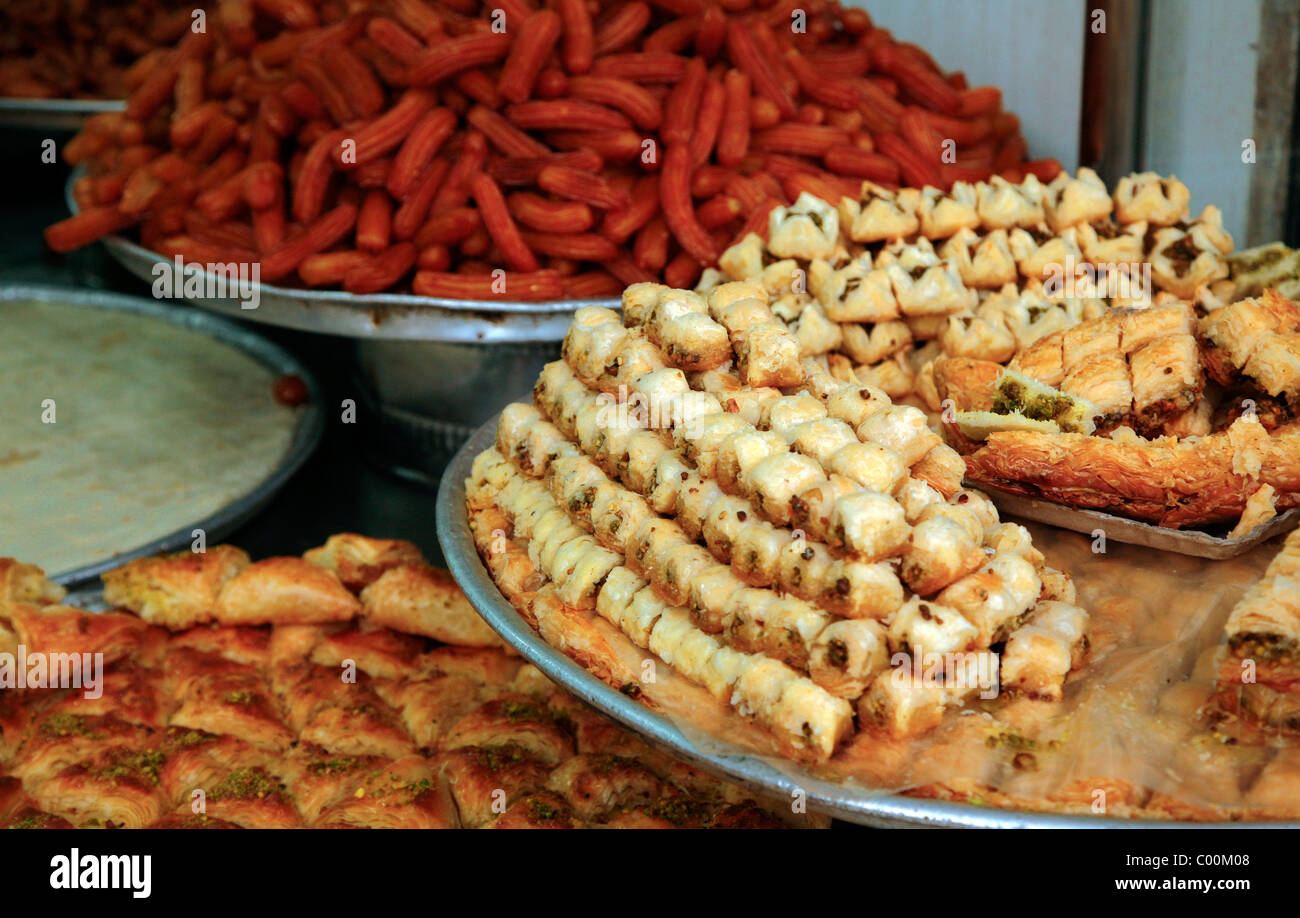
(799,545)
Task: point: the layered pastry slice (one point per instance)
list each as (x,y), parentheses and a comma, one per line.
(1259,675)
(254,699)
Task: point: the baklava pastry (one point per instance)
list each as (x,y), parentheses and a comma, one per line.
(942,215)
(1039,253)
(982,261)
(807,229)
(1181,263)
(1002,205)
(178,590)
(869,344)
(1072,201)
(1105,242)
(1148,197)
(881,214)
(854,293)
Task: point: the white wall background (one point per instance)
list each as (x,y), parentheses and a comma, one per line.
(1032,49)
(1200,100)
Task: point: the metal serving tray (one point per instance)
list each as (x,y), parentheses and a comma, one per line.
(53,114)
(378,316)
(848,803)
(1136,532)
(306,435)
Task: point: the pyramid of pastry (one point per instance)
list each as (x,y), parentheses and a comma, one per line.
(881,285)
(354,686)
(771,532)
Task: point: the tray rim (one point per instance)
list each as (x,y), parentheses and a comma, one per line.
(1190,542)
(881,810)
(307,434)
(378,316)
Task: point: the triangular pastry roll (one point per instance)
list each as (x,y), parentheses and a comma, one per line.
(1105,242)
(1181,262)
(1152,198)
(1081,199)
(982,262)
(807,229)
(881,214)
(1003,205)
(944,214)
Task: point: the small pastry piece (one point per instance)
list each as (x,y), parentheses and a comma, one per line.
(984,262)
(1275,366)
(938,551)
(1022,397)
(1260,508)
(1082,199)
(853,404)
(902,705)
(858,590)
(1058,585)
(1149,197)
(807,229)
(869,525)
(984,600)
(914,495)
(1044,360)
(816,333)
(27,583)
(176,591)
(968,383)
(874,467)
(1230,335)
(1181,263)
(1167,379)
(637,302)
(744,260)
(1140,327)
(1099,337)
(740,452)
(880,214)
(942,468)
(979,338)
(1041,254)
(783,414)
(923,627)
(1013,540)
(809,718)
(821,439)
(929,287)
(1002,205)
(768,355)
(359,561)
(1035,661)
(853,293)
(1105,242)
(945,214)
(903,429)
(1255,269)
(421,599)
(1104,381)
(288,590)
(871,344)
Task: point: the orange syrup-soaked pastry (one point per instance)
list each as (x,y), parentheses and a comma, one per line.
(354,687)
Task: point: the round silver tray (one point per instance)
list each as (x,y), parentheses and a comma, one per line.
(306,435)
(53,114)
(849,803)
(378,316)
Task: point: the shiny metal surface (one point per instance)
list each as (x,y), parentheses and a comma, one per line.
(378,316)
(53,114)
(1135,532)
(306,436)
(845,802)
